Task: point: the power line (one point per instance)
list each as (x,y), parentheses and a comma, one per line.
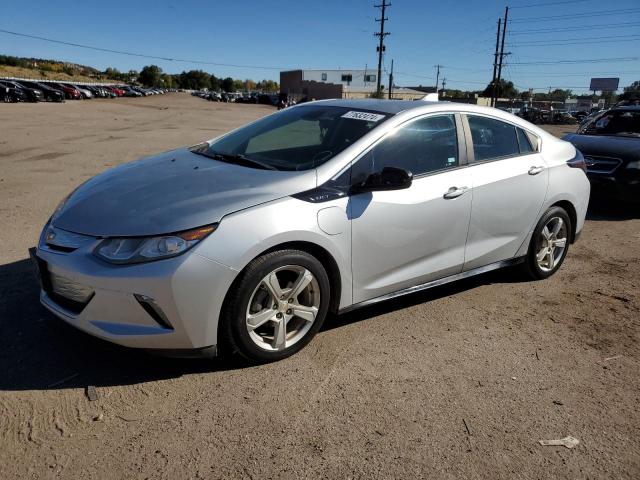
(532,5)
(575,27)
(589,74)
(581,42)
(592,60)
(133,54)
(578,15)
(581,38)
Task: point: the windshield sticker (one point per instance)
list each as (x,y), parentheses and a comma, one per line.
(366,116)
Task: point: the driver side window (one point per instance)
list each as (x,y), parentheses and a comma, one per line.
(421,146)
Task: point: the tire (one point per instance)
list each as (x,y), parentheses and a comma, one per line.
(546,254)
(252,299)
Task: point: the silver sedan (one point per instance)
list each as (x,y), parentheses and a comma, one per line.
(246,242)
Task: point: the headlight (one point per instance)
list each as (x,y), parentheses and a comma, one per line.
(146,249)
(635,165)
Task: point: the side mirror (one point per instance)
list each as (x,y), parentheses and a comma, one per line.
(390,178)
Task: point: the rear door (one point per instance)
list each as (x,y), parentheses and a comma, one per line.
(402,238)
(509,179)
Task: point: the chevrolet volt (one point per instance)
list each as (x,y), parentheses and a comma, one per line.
(246,242)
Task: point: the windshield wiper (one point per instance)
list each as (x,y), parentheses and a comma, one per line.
(235,158)
(628,134)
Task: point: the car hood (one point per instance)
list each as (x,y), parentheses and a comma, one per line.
(171,192)
(625,148)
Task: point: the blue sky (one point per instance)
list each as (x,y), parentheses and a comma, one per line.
(339,34)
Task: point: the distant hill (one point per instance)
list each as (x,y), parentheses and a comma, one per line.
(44,69)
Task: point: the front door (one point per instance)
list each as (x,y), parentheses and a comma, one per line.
(403,238)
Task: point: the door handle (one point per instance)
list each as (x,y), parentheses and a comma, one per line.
(535,170)
(454,192)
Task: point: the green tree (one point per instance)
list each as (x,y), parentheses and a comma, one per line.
(195,80)
(504,89)
(215,83)
(227,84)
(238,85)
(632,92)
(268,86)
(150,76)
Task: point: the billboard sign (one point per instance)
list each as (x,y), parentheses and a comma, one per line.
(604,84)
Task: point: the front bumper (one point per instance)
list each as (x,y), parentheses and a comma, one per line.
(170,304)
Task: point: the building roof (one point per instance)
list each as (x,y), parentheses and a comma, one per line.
(383,106)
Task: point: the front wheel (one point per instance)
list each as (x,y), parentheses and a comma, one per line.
(549,244)
(276,307)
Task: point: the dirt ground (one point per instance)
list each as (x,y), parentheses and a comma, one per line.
(456,382)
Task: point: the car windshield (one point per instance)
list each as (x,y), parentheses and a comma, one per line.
(298,138)
(618,122)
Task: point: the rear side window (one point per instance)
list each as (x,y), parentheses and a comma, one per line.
(523,140)
(493,138)
(422,146)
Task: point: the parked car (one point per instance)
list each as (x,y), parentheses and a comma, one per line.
(10,94)
(130,92)
(610,143)
(246,242)
(71,93)
(119,92)
(85,92)
(49,94)
(580,115)
(31,94)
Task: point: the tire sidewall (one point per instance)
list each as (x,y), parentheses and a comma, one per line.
(247,285)
(536,242)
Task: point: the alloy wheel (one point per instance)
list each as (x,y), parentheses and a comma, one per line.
(283,307)
(553,242)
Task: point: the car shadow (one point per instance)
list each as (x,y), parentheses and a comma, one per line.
(40,352)
(504,275)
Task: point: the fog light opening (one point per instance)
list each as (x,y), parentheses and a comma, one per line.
(154,311)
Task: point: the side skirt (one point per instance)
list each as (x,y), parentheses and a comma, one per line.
(435,283)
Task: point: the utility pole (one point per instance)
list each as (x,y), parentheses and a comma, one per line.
(437,76)
(391,79)
(381,34)
(502,54)
(495,65)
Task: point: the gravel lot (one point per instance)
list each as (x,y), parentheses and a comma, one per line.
(457,382)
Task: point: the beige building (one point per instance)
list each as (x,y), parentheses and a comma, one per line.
(319,85)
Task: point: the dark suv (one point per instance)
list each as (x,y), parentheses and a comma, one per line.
(610,143)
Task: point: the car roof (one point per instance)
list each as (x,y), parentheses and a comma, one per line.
(383,106)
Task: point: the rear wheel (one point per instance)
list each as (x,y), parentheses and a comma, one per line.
(549,244)
(276,307)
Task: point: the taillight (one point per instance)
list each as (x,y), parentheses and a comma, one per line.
(578,162)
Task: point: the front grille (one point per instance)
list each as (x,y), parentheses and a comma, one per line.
(70,289)
(69,295)
(601,165)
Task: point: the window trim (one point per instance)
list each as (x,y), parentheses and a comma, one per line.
(471,155)
(462,149)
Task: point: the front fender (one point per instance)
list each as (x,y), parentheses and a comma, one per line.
(244,235)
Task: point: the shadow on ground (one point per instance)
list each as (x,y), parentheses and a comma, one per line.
(39,352)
